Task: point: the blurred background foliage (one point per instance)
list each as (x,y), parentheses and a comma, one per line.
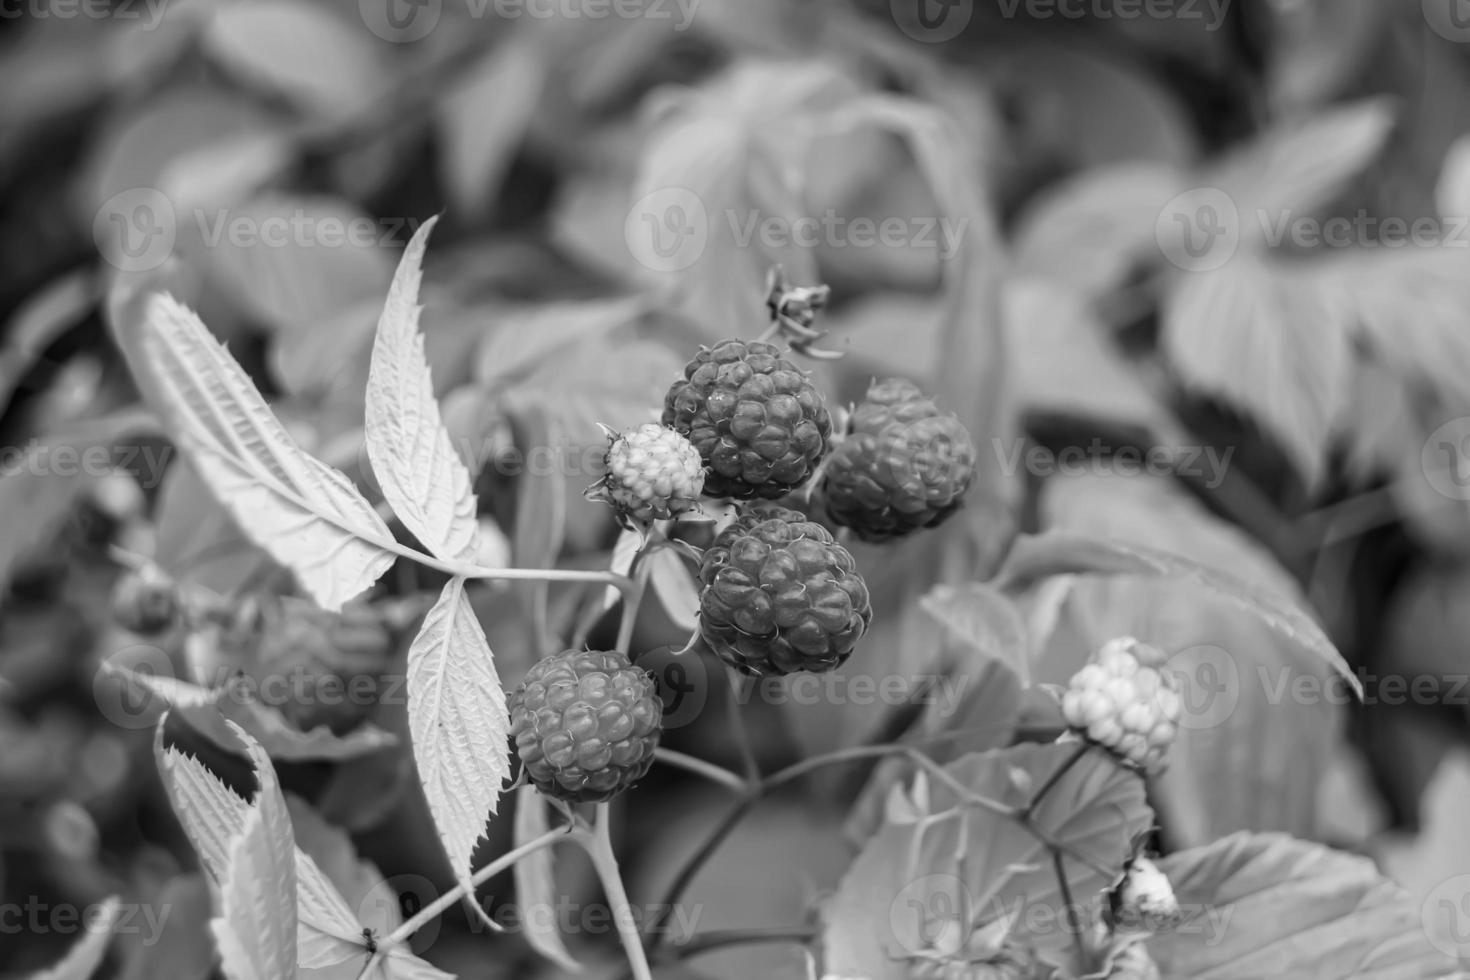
(1060,142)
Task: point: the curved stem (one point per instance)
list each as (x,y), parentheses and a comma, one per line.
(598,846)
(633,599)
(696,861)
(710,771)
(740,685)
(443,902)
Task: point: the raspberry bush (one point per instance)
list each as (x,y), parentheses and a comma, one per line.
(901,490)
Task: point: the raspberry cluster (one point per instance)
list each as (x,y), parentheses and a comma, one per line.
(902,466)
(1124,701)
(780,595)
(754,417)
(653,473)
(585,725)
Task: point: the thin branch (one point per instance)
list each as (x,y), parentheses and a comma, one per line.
(710,771)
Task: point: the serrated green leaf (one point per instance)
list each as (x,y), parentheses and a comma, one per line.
(422,477)
(457,714)
(1268,341)
(311,54)
(1302,164)
(1270,905)
(1060,552)
(306,514)
(975,867)
(984,619)
(1248,755)
(256,925)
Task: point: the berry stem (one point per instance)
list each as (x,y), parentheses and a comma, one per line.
(710,771)
(1070,906)
(633,598)
(709,942)
(1054,778)
(731,820)
(443,902)
(738,691)
(598,846)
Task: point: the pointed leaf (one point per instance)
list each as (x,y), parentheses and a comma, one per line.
(1272,906)
(256,927)
(985,619)
(306,514)
(970,867)
(536,884)
(413,459)
(1268,341)
(457,714)
(82,960)
(1061,552)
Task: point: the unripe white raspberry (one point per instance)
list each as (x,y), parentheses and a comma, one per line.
(653,473)
(1123,700)
(1144,901)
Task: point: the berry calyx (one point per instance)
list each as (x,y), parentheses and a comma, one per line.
(145,602)
(653,473)
(757,421)
(780,595)
(904,464)
(1124,701)
(585,724)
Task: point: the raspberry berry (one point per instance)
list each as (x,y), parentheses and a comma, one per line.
(585,725)
(1125,702)
(1144,901)
(756,419)
(653,473)
(904,465)
(780,595)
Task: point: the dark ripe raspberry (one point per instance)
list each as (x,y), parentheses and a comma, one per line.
(904,465)
(585,725)
(756,419)
(780,595)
